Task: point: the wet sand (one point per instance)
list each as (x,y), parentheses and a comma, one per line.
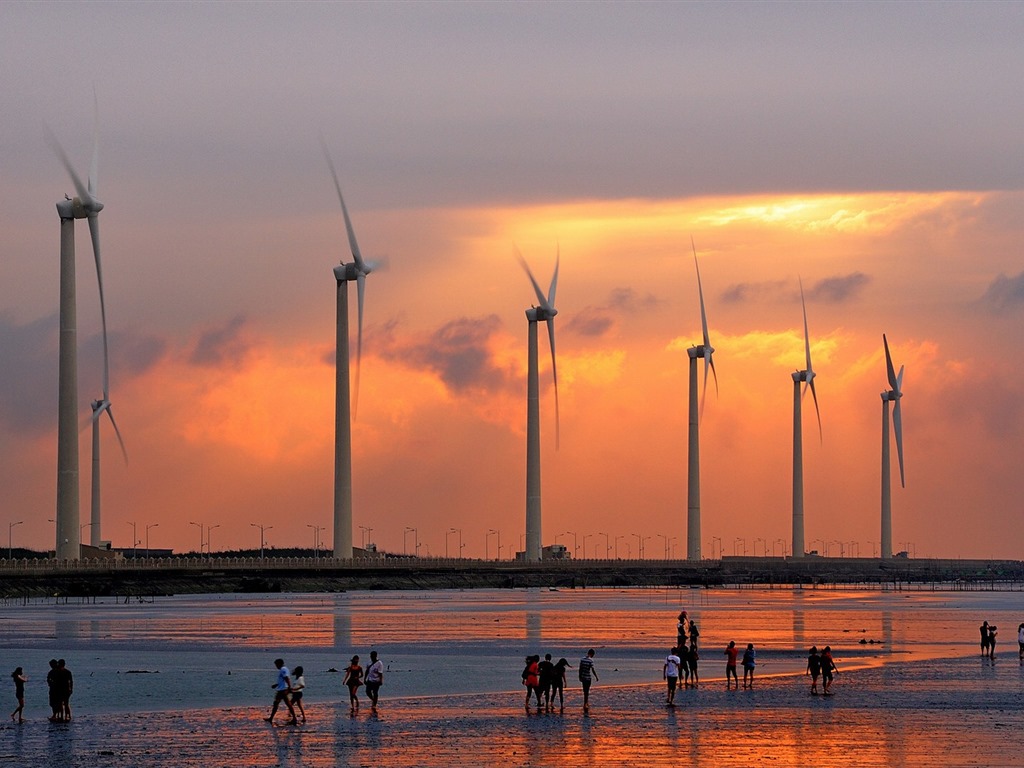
(936,712)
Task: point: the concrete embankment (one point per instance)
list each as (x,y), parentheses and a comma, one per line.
(83,579)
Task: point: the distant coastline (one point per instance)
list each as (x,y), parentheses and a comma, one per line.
(36,578)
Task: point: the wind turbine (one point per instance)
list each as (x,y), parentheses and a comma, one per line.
(702,351)
(891,396)
(544,313)
(85,205)
(344,403)
(805,376)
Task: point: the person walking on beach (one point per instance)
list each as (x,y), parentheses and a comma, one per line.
(731,652)
(56,706)
(1020,639)
(814,668)
(353,679)
(558,683)
(828,666)
(991,641)
(282,686)
(531,679)
(298,686)
(985,641)
(670,673)
(65,687)
(19,694)
(694,633)
(748,666)
(684,664)
(692,657)
(374,679)
(587,674)
(545,671)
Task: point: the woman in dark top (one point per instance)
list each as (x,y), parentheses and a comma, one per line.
(353,679)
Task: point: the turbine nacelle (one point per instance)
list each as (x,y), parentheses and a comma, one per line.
(351,271)
(540,314)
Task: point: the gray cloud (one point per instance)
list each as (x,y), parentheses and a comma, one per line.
(221,345)
(597,321)
(1004,294)
(458,352)
(837,290)
(740,293)
(591,321)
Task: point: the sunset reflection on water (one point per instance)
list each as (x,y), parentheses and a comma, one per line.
(918,695)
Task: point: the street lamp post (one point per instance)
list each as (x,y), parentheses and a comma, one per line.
(201,539)
(585,537)
(209,547)
(607,546)
(415,539)
(617,546)
(664,545)
(262,529)
(575,544)
(487,540)
(151,525)
(135,542)
(10,539)
(316,538)
(719,540)
(367,530)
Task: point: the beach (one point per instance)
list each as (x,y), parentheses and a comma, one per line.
(915,714)
(187,682)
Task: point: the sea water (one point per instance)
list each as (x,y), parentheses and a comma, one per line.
(197,651)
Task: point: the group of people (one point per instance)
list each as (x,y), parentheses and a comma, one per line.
(821,665)
(749,662)
(372,678)
(61,684)
(545,680)
(288,688)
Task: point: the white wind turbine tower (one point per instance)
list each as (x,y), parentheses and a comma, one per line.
(85,205)
(544,313)
(702,351)
(891,396)
(344,403)
(805,376)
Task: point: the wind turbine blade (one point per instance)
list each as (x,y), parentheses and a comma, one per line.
(700,294)
(554,278)
(890,372)
(554,376)
(120,440)
(353,245)
(814,394)
(897,423)
(80,188)
(360,292)
(807,337)
(536,287)
(94,231)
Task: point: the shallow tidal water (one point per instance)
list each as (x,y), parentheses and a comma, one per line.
(186,680)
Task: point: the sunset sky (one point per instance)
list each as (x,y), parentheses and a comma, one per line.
(873,151)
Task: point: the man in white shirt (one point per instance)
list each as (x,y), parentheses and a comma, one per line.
(374,678)
(670,672)
(282,687)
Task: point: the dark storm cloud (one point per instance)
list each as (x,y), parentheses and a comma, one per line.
(1004,294)
(28,374)
(837,290)
(459,352)
(221,345)
(129,355)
